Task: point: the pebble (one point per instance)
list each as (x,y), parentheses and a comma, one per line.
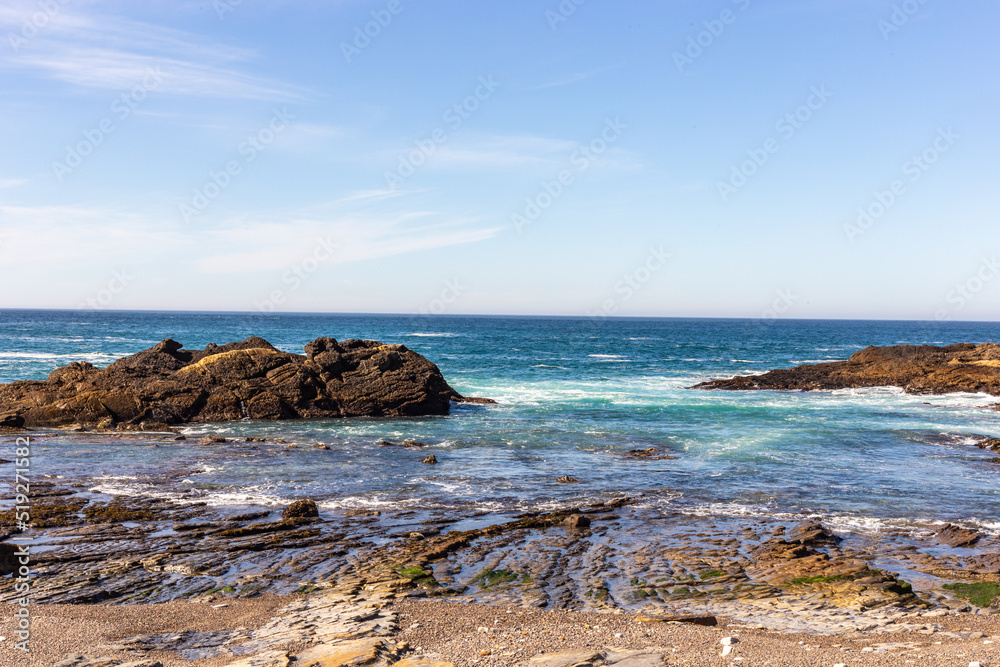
(729,641)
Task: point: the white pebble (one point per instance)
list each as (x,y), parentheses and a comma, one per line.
(840,664)
(726,650)
(729,641)
(975,664)
(618,635)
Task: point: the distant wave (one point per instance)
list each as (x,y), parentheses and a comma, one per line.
(46,356)
(434,335)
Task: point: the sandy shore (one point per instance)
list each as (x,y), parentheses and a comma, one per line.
(512,635)
(476,634)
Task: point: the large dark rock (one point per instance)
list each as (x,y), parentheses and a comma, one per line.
(918,369)
(167,384)
(301,509)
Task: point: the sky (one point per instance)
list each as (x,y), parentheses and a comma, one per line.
(724,158)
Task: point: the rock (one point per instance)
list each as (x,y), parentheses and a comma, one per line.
(956,536)
(729,641)
(167,385)
(8,561)
(430,459)
(726,650)
(917,369)
(301,509)
(684,618)
(992,444)
(266,659)
(812,533)
(213,440)
(565,658)
(412,443)
(650,453)
(576,522)
(566,479)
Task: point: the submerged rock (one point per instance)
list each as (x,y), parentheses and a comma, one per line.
(917,369)
(167,385)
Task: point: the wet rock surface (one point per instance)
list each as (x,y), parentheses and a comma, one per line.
(168,385)
(917,369)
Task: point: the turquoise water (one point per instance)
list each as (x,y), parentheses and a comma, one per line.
(573,394)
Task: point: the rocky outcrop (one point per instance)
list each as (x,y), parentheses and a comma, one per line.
(918,369)
(167,384)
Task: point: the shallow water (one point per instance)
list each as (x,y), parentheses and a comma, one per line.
(573,393)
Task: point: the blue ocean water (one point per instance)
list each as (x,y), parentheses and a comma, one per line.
(573,394)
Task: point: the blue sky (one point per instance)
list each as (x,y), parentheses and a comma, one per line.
(814,158)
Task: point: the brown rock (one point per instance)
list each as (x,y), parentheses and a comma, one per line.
(918,369)
(576,522)
(301,509)
(566,479)
(650,453)
(956,536)
(168,385)
(812,533)
(682,618)
(992,444)
(430,459)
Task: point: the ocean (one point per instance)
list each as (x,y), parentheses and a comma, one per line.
(573,395)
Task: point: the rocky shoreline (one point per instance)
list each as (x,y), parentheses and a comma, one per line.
(917,369)
(616,559)
(167,385)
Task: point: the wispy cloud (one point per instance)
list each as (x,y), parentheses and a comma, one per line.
(70,237)
(502,151)
(12,182)
(573,78)
(115,53)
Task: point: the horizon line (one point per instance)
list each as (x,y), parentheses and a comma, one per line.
(440,316)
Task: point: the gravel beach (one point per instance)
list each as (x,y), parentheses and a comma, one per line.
(60,630)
